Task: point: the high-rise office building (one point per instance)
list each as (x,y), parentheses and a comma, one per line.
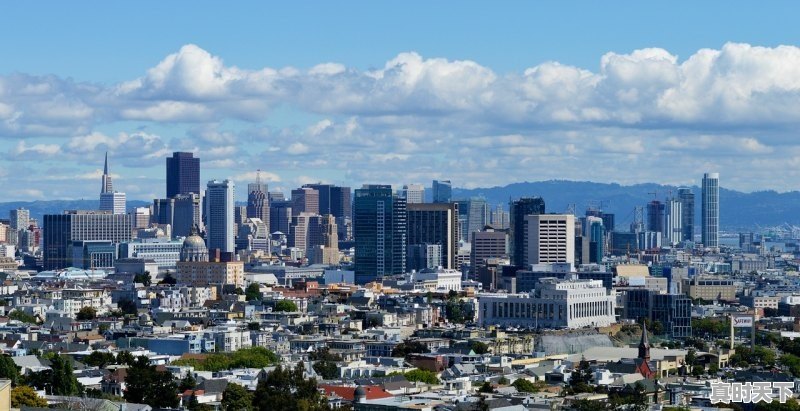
(435,224)
(183,174)
(140,217)
(551,238)
(258,201)
(336,201)
(518,209)
(220,225)
(110,200)
(19,219)
(305,232)
(61,230)
(474,215)
(280,215)
(655,216)
(673,227)
(379,225)
(597,239)
(413,193)
(182,212)
(686,196)
(305,200)
(327,251)
(442,191)
(487,244)
(499,218)
(710,210)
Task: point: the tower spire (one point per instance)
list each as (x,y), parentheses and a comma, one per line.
(107,186)
(644,344)
(258,177)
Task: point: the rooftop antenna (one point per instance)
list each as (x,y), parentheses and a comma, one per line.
(258,176)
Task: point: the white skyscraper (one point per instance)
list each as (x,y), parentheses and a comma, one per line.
(673,221)
(550,238)
(413,193)
(710,210)
(220,226)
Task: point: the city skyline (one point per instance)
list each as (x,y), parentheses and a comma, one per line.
(404,111)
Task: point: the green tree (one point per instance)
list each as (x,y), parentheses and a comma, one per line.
(286,389)
(503,381)
(792,362)
(325,364)
(254,326)
(99,359)
(169,279)
(588,405)
(791,404)
(86,314)
(9,370)
(691,357)
(144,279)
(24,396)
(125,358)
(285,305)
(63,380)
(479,348)
(147,385)
(523,385)
(253,292)
(254,357)
(409,347)
(424,376)
(236,398)
(187,383)
(22,316)
(127,306)
(581,379)
(486,387)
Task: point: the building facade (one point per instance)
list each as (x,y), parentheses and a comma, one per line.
(61,230)
(435,224)
(550,239)
(183,174)
(518,209)
(710,210)
(220,225)
(380,229)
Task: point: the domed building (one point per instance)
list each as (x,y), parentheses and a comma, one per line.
(194,248)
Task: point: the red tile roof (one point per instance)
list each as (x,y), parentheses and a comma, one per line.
(374,392)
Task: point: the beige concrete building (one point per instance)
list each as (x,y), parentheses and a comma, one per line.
(203,273)
(550,238)
(710,288)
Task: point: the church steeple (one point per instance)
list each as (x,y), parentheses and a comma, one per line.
(644,344)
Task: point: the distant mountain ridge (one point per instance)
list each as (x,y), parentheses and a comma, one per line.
(738,210)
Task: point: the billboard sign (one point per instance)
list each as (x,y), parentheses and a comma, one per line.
(743,322)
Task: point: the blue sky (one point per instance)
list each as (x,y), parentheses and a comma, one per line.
(483,93)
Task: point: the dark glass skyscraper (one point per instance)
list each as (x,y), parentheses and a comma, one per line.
(442,191)
(686,197)
(183,174)
(518,209)
(379,225)
(435,224)
(655,216)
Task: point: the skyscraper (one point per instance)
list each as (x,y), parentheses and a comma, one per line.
(674,221)
(379,225)
(183,174)
(280,215)
(442,191)
(686,196)
(435,224)
(551,238)
(305,200)
(110,200)
(106,185)
(710,210)
(655,216)
(19,219)
(413,193)
(518,209)
(258,201)
(220,226)
(336,201)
